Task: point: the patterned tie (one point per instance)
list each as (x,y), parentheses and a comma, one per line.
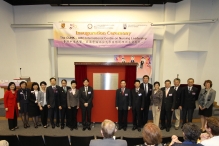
(86,91)
(65,89)
(166,92)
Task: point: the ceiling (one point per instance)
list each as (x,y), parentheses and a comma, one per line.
(90,2)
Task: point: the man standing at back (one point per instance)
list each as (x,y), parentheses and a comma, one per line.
(147,87)
(108,129)
(123,104)
(177,108)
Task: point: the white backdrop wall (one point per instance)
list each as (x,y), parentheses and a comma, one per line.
(187,50)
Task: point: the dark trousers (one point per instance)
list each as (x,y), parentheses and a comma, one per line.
(63,115)
(54,111)
(44,115)
(145,113)
(73,117)
(86,116)
(122,117)
(184,114)
(166,115)
(12,123)
(137,118)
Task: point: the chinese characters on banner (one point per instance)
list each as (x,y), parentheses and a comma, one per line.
(103,35)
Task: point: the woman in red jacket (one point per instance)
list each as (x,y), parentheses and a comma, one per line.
(10,102)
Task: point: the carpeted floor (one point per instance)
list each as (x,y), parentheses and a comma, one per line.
(66,132)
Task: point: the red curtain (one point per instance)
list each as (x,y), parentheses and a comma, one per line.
(80,74)
(130,76)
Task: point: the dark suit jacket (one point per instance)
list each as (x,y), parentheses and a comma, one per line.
(123,101)
(137,98)
(108,142)
(52,97)
(168,101)
(86,99)
(178,96)
(63,97)
(147,98)
(188,98)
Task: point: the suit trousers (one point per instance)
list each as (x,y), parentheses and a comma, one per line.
(63,115)
(145,113)
(122,117)
(156,115)
(44,115)
(54,111)
(184,114)
(177,115)
(86,116)
(73,117)
(12,123)
(166,115)
(137,118)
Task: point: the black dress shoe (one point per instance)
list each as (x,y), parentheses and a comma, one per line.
(162,128)
(27,125)
(84,129)
(139,129)
(53,126)
(71,129)
(119,128)
(62,127)
(133,128)
(168,129)
(89,128)
(57,125)
(76,128)
(124,128)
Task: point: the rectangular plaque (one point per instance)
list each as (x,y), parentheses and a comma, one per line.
(105,81)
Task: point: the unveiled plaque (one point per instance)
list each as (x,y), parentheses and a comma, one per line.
(105,81)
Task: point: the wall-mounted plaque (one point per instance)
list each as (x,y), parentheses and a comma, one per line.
(105,81)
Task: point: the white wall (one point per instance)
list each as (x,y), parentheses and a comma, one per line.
(8,58)
(32,49)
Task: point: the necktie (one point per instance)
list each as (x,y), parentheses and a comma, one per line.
(137,90)
(175,88)
(86,91)
(65,89)
(146,92)
(54,88)
(123,91)
(166,92)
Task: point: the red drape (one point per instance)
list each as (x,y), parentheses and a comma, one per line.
(80,74)
(130,76)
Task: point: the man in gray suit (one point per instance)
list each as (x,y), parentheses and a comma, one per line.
(108,129)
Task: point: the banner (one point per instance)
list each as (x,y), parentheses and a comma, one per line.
(103,35)
(144,66)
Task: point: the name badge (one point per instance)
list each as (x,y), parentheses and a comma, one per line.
(88,92)
(193,93)
(21,92)
(170,95)
(139,94)
(32,91)
(126,94)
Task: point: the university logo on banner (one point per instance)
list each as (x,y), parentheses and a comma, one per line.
(103,35)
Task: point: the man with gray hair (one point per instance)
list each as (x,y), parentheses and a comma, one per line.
(108,129)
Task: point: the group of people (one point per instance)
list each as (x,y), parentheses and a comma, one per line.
(66,100)
(163,102)
(41,100)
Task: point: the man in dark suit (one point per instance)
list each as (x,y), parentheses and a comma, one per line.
(108,129)
(137,96)
(189,96)
(63,103)
(178,100)
(147,87)
(168,105)
(86,104)
(52,99)
(123,104)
